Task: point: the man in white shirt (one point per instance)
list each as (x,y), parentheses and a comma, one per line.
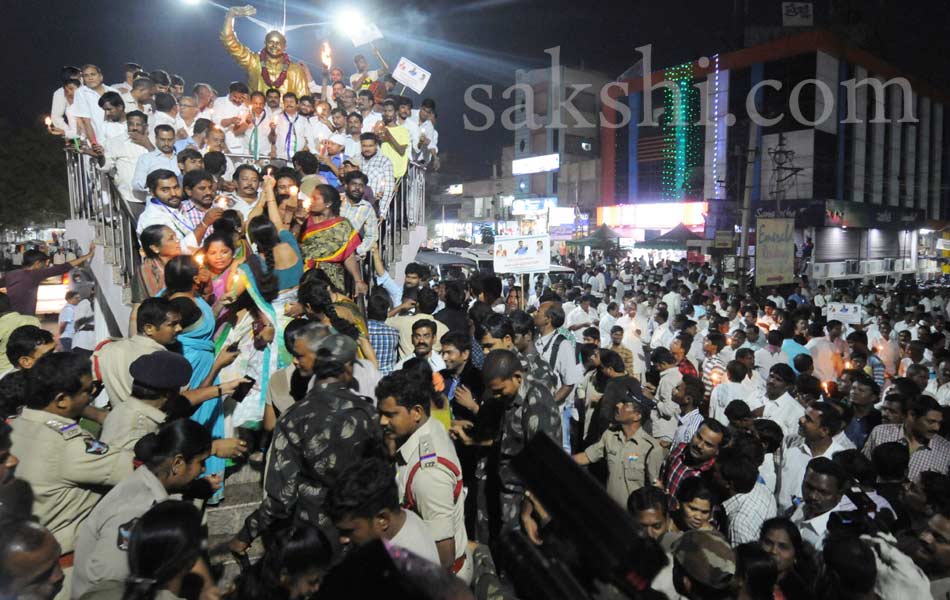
(673,300)
(231,114)
(939,387)
(86,109)
(166,113)
(662,334)
(777,299)
(364,76)
(777,404)
(364,104)
(423,339)
(607,321)
(727,391)
(884,344)
(63,98)
(822,493)
(289,130)
(404,118)
(771,354)
(824,355)
(816,432)
(427,148)
(558,352)
(129,69)
(753,384)
(164,206)
(248,181)
(583,316)
(120,157)
(664,419)
(632,339)
(317,130)
(162,157)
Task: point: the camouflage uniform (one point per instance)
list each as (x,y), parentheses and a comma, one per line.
(531,411)
(537,370)
(329,430)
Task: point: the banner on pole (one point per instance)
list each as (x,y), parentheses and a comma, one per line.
(411,75)
(774,252)
(522,254)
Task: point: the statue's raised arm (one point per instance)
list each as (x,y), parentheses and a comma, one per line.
(269,68)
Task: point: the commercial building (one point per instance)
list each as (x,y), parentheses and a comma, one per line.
(808,126)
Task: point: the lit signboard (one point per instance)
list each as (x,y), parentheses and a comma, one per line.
(532,206)
(654,215)
(535,164)
(456,189)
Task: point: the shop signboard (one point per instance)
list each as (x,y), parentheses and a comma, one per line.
(774,252)
(522,254)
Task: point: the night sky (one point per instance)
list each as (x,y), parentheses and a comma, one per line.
(462,43)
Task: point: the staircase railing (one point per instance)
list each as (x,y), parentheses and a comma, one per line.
(93,196)
(406,211)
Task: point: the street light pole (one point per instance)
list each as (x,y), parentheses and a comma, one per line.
(751,152)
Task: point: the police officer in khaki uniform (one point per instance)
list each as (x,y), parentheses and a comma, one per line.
(172,458)
(156,380)
(66,466)
(634,457)
(427,467)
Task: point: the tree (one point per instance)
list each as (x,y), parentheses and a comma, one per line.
(33,186)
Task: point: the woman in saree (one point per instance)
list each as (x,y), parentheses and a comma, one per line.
(183,285)
(276,246)
(160,244)
(327,240)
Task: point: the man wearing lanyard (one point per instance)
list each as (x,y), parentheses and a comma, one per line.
(258,143)
(288,130)
(164,206)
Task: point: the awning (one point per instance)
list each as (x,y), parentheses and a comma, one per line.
(674,239)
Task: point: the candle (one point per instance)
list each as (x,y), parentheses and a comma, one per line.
(221,202)
(325,55)
(200,259)
(306,204)
(48,121)
(825,386)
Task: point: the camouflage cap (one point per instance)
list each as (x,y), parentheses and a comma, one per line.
(706,557)
(336,347)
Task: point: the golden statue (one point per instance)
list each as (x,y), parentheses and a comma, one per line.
(272,67)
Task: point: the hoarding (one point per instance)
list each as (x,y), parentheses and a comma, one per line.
(535,164)
(774,252)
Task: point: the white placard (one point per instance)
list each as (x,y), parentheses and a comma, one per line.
(522,254)
(846,313)
(798,14)
(364,33)
(411,75)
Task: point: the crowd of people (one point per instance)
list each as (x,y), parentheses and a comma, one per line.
(759,448)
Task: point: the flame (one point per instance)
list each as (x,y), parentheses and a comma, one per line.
(306,204)
(200,259)
(847,364)
(221,202)
(293,191)
(325,56)
(48,121)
